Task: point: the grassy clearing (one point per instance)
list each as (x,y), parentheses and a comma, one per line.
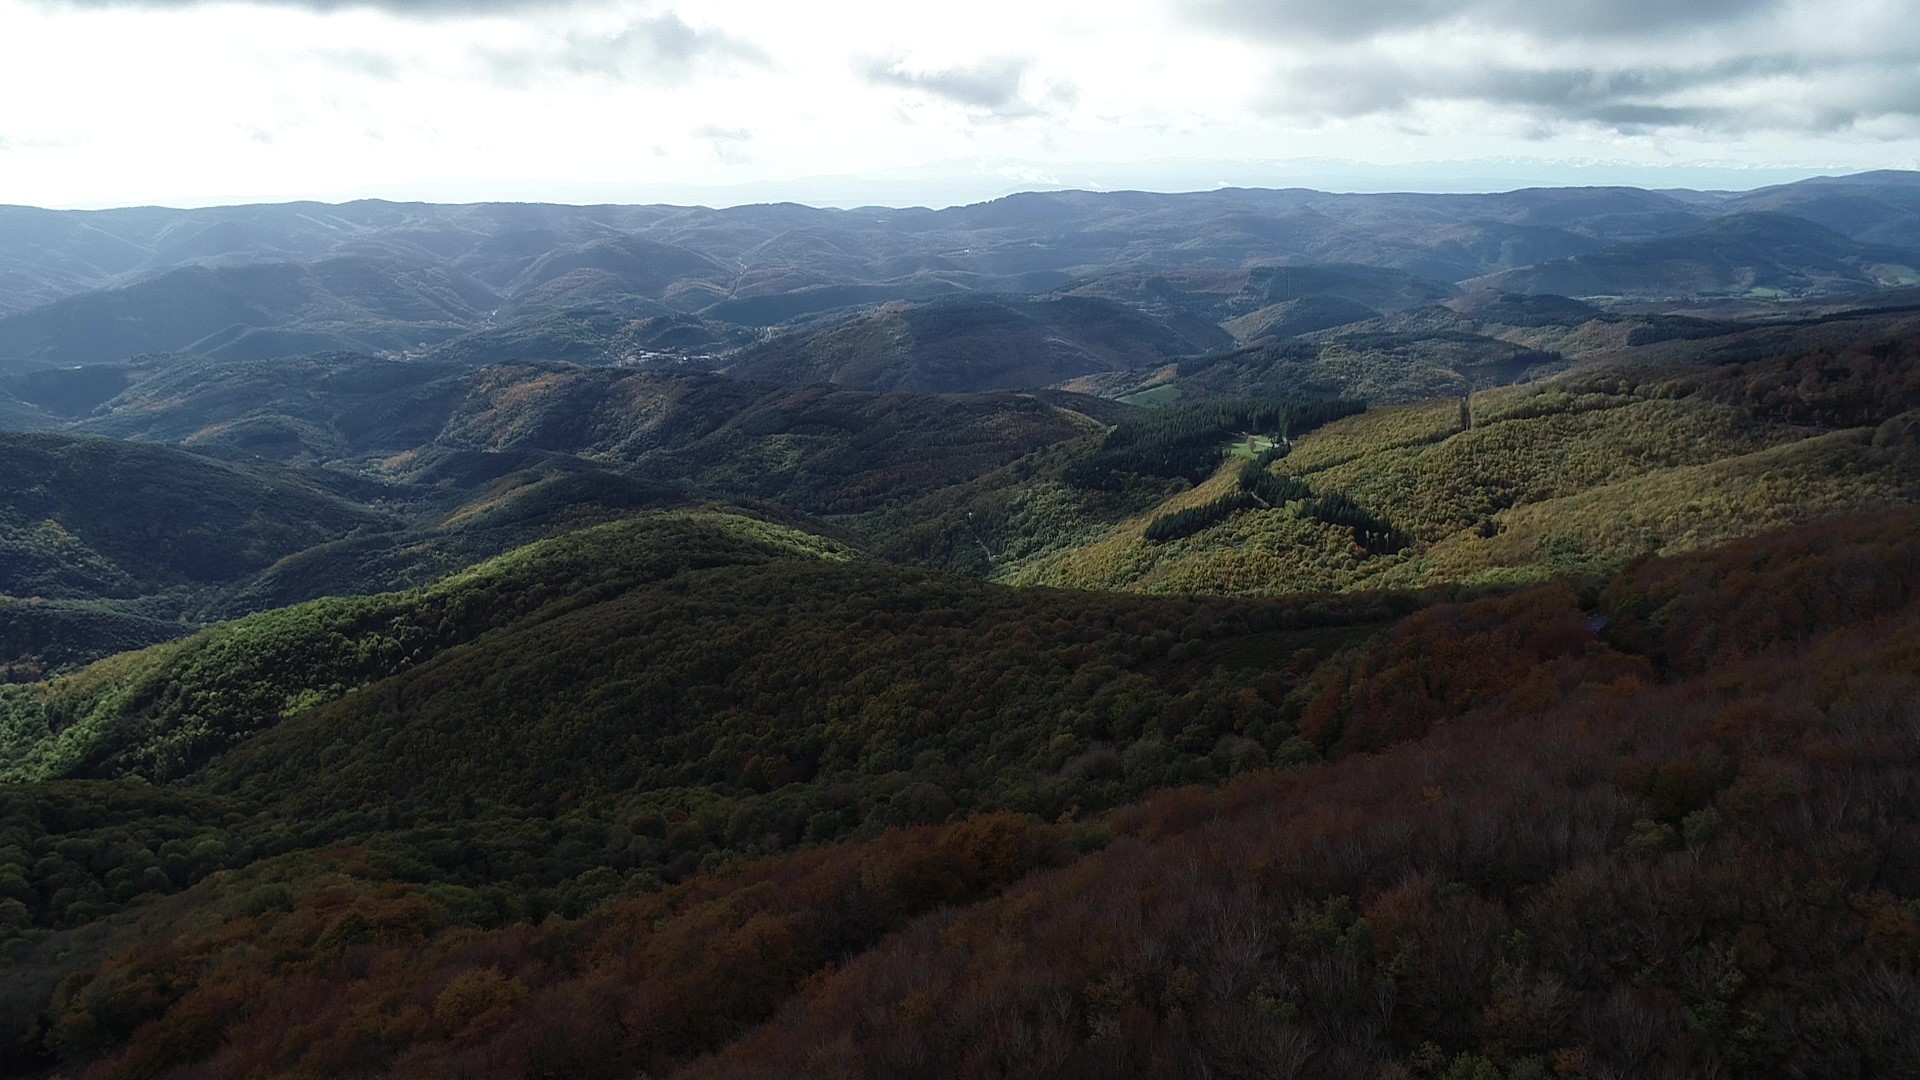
(1248,447)
(1574,476)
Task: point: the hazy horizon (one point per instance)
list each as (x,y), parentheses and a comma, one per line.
(196,103)
(932,189)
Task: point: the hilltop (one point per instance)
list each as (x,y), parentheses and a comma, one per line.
(550,768)
(976,344)
(85,517)
(1239,633)
(1571,475)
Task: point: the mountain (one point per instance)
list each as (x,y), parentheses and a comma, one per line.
(597,336)
(298,409)
(87,517)
(1875,207)
(348,475)
(618,269)
(1250,301)
(1509,881)
(401,278)
(379,423)
(18,415)
(1571,475)
(52,254)
(974,344)
(1750,253)
(520,875)
(319,650)
(1241,633)
(814,448)
(275,309)
(1356,360)
(1292,318)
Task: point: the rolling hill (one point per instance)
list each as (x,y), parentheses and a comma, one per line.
(397,854)
(304,409)
(346,475)
(814,448)
(987,641)
(1573,475)
(1750,253)
(277,309)
(87,518)
(1881,207)
(391,275)
(974,344)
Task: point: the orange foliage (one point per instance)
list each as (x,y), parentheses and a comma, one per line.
(1487,660)
(1552,855)
(1634,878)
(358,978)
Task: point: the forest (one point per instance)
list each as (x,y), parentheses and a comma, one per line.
(1254,633)
(1487,835)
(791,796)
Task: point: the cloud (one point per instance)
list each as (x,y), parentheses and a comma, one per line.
(8,142)
(384,67)
(1353,20)
(425,9)
(997,87)
(728,143)
(1030,176)
(1775,93)
(658,49)
(1341,88)
(1631,67)
(993,85)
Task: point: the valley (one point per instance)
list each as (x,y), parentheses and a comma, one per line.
(1246,632)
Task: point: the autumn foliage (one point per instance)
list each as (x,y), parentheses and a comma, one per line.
(1711,876)
(1679,841)
(339,972)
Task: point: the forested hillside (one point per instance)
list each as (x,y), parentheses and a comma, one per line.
(1243,633)
(1572,475)
(100,517)
(1500,780)
(978,344)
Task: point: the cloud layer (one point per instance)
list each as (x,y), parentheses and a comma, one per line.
(513,97)
(433,9)
(1725,67)
(1354,20)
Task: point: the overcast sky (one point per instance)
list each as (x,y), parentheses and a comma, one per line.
(118,102)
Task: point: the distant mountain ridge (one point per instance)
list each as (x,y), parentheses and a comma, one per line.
(1761,250)
(394,276)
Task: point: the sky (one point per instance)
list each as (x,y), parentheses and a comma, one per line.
(852,102)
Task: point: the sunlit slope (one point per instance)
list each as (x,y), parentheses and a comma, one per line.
(164,711)
(1577,475)
(1518,834)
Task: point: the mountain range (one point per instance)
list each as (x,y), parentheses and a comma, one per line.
(98,286)
(1236,633)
